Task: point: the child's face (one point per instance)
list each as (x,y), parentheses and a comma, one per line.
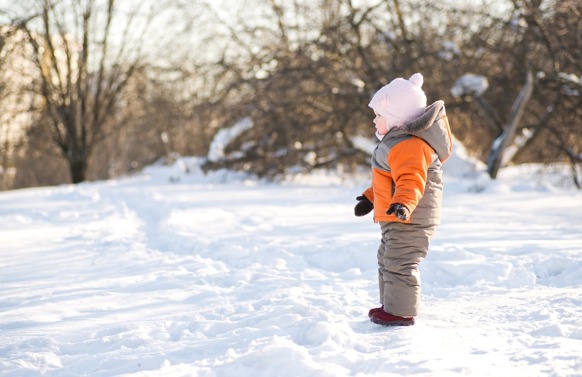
(380,124)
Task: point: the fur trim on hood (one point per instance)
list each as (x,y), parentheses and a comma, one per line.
(433,127)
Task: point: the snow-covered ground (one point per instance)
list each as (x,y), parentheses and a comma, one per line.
(173,273)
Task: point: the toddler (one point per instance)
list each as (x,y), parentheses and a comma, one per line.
(406,192)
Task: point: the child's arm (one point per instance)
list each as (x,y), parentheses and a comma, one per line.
(369,194)
(409,162)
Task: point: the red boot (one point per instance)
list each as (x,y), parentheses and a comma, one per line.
(375,310)
(387,319)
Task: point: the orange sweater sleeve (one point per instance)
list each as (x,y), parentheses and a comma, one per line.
(409,162)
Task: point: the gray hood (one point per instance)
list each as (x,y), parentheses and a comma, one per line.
(433,127)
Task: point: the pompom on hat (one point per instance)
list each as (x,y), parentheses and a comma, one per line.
(401,101)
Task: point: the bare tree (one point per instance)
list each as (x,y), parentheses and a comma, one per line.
(530,55)
(5,34)
(306,75)
(304,72)
(307,80)
(15,99)
(550,44)
(86,52)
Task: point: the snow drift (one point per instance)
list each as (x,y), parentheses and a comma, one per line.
(175,273)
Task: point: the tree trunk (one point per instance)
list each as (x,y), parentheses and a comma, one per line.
(495,161)
(78,169)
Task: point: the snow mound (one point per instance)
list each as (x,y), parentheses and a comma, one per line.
(174,272)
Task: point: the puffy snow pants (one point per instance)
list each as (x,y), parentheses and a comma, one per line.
(402,249)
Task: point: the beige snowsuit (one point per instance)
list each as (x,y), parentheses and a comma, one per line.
(407,169)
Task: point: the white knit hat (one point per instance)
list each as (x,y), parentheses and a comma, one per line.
(401,101)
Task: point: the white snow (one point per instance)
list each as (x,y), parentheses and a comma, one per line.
(365,144)
(449,50)
(470,85)
(225,136)
(173,273)
(573,83)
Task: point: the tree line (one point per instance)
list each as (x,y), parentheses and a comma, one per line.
(95,89)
